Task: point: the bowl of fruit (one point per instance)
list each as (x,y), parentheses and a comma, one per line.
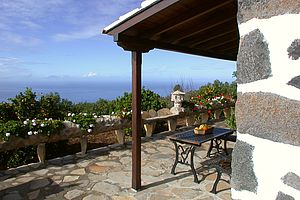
(203,129)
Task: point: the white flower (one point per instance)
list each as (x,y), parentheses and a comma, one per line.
(35,132)
(29,133)
(46,118)
(89,130)
(69,114)
(33,124)
(34,120)
(94,113)
(42,125)
(124,113)
(77,125)
(73,114)
(50,119)
(74,120)
(112,113)
(25,122)
(95,116)
(85,114)
(7,134)
(128,113)
(91,125)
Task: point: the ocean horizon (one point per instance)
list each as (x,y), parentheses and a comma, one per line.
(84,91)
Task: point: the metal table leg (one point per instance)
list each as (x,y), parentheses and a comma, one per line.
(217,145)
(182,154)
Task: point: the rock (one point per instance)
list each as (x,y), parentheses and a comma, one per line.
(122,198)
(34,194)
(152,113)
(41,172)
(25,179)
(96,197)
(70,178)
(73,194)
(164,112)
(12,196)
(106,188)
(145,115)
(185,193)
(78,171)
(39,184)
(97,169)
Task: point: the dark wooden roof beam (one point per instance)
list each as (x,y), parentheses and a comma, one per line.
(215,42)
(224,45)
(192,14)
(185,34)
(194,43)
(128,43)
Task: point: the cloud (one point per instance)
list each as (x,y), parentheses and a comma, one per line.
(80,34)
(59,20)
(18,40)
(90,74)
(12,68)
(89,24)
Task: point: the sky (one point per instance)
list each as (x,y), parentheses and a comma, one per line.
(62,40)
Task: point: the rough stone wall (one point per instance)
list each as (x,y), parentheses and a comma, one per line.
(266,158)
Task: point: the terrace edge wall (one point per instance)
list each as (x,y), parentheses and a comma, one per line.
(265,163)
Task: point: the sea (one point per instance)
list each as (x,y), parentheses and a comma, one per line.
(80,91)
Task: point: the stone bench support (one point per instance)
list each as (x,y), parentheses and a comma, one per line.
(172,123)
(83,144)
(120,136)
(41,152)
(149,128)
(189,120)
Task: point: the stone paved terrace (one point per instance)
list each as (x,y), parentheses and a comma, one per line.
(105,173)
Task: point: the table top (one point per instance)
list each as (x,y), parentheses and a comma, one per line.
(189,137)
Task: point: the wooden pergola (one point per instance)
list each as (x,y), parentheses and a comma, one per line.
(199,27)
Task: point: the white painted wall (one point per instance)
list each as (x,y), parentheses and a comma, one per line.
(272,161)
(279,31)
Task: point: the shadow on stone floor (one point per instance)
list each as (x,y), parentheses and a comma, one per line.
(41,188)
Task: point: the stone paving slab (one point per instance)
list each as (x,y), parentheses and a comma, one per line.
(105,173)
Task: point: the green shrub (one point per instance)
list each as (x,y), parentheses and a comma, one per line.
(150,100)
(25,105)
(51,106)
(84,121)
(7,112)
(100,107)
(29,127)
(231,122)
(17,157)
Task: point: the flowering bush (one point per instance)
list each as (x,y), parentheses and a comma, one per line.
(123,114)
(200,103)
(29,127)
(85,121)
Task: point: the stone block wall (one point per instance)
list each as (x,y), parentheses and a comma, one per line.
(266,158)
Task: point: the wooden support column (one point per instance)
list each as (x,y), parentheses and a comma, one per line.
(136,119)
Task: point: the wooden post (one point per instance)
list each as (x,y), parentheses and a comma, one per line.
(136,119)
